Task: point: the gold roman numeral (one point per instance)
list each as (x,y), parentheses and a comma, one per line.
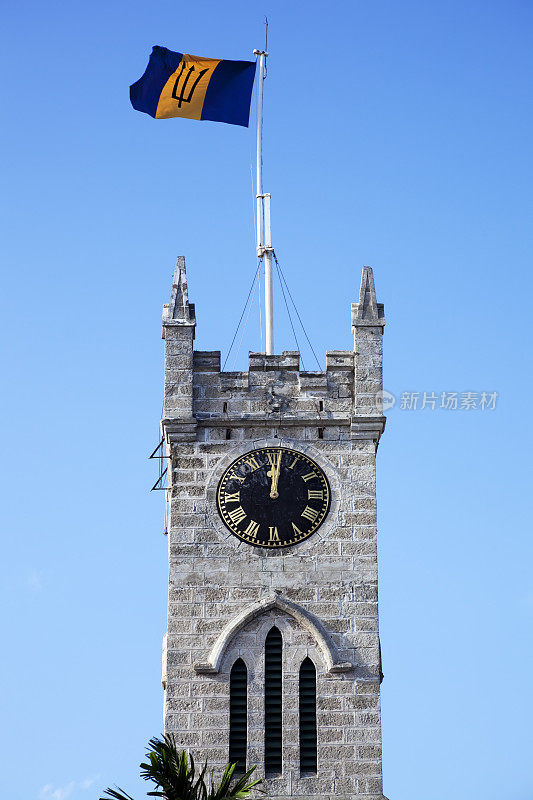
(252,528)
(235,477)
(272,459)
(315,494)
(237,515)
(309,513)
(273,535)
(234,497)
(297,530)
(291,466)
(252,463)
(309,476)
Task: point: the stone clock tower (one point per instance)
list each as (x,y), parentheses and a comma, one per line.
(272,655)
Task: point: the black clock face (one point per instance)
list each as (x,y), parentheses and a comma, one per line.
(273,497)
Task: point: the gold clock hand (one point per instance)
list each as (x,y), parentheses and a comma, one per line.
(275,478)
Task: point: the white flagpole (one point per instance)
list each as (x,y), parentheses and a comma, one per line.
(264,243)
(259,159)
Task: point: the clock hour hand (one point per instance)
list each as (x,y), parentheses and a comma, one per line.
(274,474)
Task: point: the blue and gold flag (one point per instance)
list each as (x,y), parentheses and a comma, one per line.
(180,85)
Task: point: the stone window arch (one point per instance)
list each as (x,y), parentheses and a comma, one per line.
(307,620)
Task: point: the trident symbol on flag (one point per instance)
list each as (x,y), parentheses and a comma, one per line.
(181,98)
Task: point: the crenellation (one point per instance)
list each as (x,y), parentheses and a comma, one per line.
(206,360)
(288,360)
(274,384)
(316,381)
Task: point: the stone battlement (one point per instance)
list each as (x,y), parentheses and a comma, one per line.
(338,402)
(210,360)
(272,384)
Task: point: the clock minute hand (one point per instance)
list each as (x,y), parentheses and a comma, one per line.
(274,473)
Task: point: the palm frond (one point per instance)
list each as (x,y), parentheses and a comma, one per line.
(173,774)
(116,794)
(240,789)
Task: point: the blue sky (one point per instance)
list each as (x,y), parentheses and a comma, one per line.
(396,135)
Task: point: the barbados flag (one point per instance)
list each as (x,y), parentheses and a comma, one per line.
(180,85)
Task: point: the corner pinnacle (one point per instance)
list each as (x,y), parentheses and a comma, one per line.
(367,311)
(179,310)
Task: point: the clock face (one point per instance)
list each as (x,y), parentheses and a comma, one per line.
(273,497)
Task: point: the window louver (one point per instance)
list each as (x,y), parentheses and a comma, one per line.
(238,715)
(308,737)
(273,702)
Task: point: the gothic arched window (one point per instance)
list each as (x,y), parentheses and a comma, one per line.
(273,702)
(308,737)
(238,707)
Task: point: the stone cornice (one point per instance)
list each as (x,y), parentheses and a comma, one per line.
(270,420)
(367,427)
(184,430)
(179,430)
